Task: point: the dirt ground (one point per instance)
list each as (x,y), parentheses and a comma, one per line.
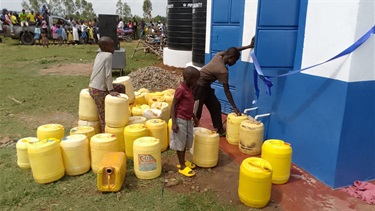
(222,179)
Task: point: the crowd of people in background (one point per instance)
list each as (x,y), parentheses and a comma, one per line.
(74,31)
(139,30)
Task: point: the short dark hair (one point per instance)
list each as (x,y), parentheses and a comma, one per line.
(232,51)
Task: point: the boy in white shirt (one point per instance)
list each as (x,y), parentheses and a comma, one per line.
(101,77)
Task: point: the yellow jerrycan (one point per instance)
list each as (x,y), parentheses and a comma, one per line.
(233,127)
(129,89)
(95,124)
(87,109)
(195,129)
(112,171)
(206,148)
(154,97)
(168,96)
(88,131)
(75,152)
(138,110)
(119,133)
(137,120)
(140,97)
(279,154)
(170,91)
(254,186)
(22,156)
(116,110)
(164,108)
(144,92)
(251,137)
(147,157)
(131,133)
(50,131)
(46,160)
(158,129)
(100,144)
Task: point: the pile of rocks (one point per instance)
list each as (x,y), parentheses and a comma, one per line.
(155,79)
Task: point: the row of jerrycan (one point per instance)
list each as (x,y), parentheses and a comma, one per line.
(118,109)
(76,150)
(245,132)
(258,174)
(74,155)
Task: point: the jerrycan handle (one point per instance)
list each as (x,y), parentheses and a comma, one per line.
(260,166)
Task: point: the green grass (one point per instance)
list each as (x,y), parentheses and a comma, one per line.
(42,94)
(28,99)
(21,192)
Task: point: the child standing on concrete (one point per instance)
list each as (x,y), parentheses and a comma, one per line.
(182,124)
(101,77)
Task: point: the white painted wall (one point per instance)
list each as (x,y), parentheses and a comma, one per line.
(331,27)
(249,26)
(208,26)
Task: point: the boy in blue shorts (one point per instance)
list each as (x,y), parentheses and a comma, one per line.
(182,124)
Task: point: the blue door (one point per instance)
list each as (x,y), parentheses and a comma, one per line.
(277,29)
(226,31)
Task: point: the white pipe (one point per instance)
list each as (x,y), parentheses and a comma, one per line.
(262,115)
(250,109)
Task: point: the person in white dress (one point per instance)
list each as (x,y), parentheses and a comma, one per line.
(75,34)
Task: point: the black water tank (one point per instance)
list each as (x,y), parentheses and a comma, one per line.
(180,24)
(199,31)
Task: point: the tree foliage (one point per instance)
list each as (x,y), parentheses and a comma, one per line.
(147,8)
(119,6)
(127,10)
(33,5)
(123,9)
(76,9)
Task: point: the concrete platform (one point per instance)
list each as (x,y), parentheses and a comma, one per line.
(302,192)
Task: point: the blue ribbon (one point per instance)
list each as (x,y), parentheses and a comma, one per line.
(268,83)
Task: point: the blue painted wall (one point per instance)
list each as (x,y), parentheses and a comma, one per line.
(357,142)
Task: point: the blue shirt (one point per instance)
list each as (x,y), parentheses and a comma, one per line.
(59,32)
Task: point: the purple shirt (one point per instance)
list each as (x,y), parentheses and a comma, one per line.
(185,102)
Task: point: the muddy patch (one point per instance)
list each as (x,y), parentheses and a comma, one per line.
(68,69)
(57,117)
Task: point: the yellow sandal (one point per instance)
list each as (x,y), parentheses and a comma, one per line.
(187,172)
(188,164)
